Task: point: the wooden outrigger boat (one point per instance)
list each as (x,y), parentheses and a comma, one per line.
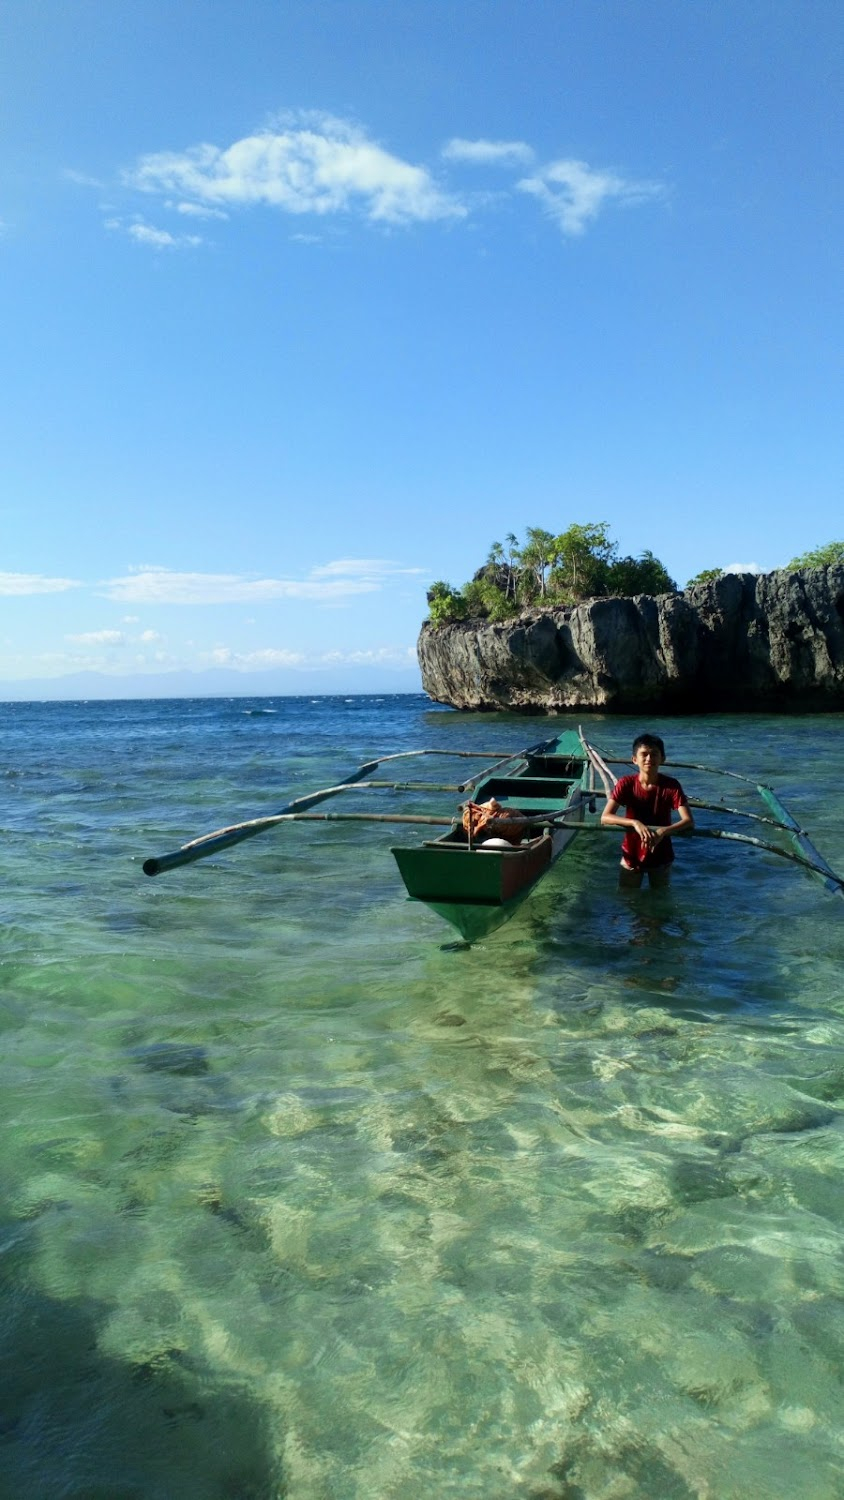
(553,788)
(476,886)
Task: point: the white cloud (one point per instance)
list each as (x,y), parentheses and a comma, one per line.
(362,567)
(274,657)
(149,635)
(82,179)
(157,239)
(483,153)
(315,164)
(392,656)
(263,660)
(162,239)
(742,568)
(98,638)
(318,165)
(161,586)
(146,234)
(34,583)
(198,211)
(573,194)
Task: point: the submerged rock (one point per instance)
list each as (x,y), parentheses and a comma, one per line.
(773,641)
(182,1059)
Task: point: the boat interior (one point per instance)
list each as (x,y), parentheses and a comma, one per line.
(556,766)
(546,788)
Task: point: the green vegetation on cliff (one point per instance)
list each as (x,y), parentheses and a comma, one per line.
(580,563)
(821,557)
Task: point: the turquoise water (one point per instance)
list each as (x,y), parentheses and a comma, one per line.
(298,1202)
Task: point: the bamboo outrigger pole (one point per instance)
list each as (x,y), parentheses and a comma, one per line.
(235,833)
(817,865)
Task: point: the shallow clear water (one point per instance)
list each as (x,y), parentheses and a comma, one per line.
(297,1201)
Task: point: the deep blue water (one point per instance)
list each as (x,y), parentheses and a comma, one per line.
(296,1200)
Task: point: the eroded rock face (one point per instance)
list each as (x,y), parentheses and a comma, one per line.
(775,642)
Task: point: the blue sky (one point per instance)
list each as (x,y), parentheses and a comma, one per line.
(304,304)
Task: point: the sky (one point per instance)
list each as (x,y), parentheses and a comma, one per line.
(305,303)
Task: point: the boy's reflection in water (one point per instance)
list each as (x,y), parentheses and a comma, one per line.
(651,920)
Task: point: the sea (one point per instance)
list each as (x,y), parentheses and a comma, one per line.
(303,1199)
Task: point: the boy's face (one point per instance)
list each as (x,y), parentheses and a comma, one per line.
(647,761)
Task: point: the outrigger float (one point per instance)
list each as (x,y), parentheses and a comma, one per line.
(551,793)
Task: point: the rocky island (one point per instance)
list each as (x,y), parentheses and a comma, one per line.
(740,642)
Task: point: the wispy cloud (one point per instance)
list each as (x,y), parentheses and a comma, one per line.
(363,567)
(325,585)
(147,234)
(487,153)
(573,193)
(82,179)
(382,656)
(252,661)
(98,638)
(34,583)
(318,165)
(197,211)
(402,657)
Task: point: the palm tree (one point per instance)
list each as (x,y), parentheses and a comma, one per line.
(539,553)
(512,552)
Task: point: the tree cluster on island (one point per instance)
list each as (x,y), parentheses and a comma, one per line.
(580,563)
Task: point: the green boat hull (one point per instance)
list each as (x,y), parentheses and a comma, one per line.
(477,889)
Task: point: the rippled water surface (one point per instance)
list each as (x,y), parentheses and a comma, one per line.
(300,1201)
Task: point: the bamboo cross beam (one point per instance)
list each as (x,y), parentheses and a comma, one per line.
(457,754)
(410,786)
(680,765)
(485,771)
(817,865)
(326,817)
(733,812)
(224,838)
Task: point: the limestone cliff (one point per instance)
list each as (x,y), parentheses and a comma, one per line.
(775,641)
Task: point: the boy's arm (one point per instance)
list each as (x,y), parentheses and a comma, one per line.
(650,836)
(685,823)
(610,818)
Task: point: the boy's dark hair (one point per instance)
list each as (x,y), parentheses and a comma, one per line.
(650,742)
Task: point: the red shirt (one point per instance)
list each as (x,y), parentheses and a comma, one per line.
(648,804)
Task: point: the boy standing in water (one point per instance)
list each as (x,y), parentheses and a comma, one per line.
(647,798)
